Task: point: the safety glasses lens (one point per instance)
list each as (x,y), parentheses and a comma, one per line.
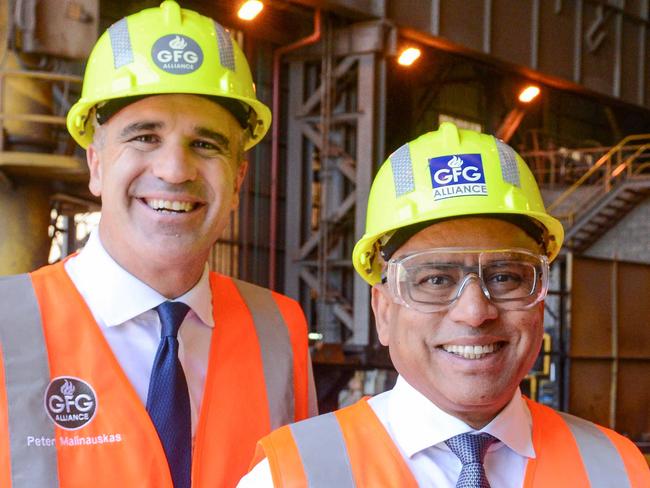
(434,279)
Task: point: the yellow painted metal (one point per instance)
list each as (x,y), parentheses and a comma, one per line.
(24,95)
(43,165)
(24,220)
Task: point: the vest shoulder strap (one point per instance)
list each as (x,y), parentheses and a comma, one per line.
(374,457)
(275,347)
(346,448)
(561,439)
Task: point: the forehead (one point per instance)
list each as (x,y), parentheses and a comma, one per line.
(485,233)
(177,110)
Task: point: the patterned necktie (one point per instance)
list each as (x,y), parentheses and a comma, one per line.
(168,401)
(471,449)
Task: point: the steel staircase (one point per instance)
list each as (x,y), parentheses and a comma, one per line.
(606,212)
(609,190)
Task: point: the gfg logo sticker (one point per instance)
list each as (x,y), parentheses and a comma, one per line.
(177,54)
(457,175)
(70,402)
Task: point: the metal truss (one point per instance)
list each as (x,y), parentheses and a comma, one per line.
(335,104)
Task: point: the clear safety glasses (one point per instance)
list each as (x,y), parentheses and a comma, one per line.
(432,280)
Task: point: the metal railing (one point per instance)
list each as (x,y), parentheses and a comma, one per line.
(629,158)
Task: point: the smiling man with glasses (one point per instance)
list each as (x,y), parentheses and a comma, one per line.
(457,250)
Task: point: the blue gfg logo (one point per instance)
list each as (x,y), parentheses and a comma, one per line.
(457,175)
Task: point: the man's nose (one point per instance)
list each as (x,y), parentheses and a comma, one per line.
(175,165)
(472,307)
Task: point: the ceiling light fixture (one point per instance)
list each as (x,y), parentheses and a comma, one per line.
(250,9)
(408,56)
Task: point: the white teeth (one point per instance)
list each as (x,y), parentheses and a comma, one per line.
(471,352)
(175,206)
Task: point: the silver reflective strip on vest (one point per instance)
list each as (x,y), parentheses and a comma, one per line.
(27,374)
(277,354)
(323,452)
(603,463)
(400,163)
(226,54)
(508,160)
(312,399)
(120,43)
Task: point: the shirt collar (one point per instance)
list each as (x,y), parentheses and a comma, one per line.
(112,284)
(418,423)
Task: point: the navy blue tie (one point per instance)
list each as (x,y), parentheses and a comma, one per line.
(168,401)
(471,449)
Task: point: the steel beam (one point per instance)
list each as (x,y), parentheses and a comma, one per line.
(332,146)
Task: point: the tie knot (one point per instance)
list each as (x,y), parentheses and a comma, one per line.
(171,317)
(470,448)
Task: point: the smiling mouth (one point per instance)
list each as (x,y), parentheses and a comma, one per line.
(170,206)
(472,352)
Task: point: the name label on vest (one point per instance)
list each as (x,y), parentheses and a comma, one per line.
(70,402)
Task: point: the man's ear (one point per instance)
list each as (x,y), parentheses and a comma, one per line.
(242,169)
(382,305)
(94,167)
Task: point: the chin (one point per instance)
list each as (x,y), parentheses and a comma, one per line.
(483,397)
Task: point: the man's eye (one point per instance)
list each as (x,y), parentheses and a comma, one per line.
(434,280)
(146,138)
(504,278)
(207,146)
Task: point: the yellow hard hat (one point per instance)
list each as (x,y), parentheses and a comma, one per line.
(168,49)
(450,173)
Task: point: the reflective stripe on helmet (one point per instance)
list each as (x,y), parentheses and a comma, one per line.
(323,467)
(226,54)
(27,374)
(509,169)
(400,162)
(121,43)
(600,457)
(276,350)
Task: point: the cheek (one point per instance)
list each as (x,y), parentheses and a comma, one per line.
(413,333)
(221,180)
(120,175)
(531,336)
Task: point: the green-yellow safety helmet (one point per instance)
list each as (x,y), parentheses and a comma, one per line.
(168,49)
(444,174)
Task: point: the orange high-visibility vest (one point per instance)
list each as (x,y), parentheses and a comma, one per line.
(351,448)
(69,416)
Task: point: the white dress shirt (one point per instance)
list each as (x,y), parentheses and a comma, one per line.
(419,429)
(123,307)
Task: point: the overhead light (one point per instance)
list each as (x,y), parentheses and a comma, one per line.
(408,56)
(250,9)
(529,93)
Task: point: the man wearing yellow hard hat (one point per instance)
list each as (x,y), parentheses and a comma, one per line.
(131,364)
(457,250)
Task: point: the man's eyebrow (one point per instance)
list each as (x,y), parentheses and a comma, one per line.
(218,137)
(139,127)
